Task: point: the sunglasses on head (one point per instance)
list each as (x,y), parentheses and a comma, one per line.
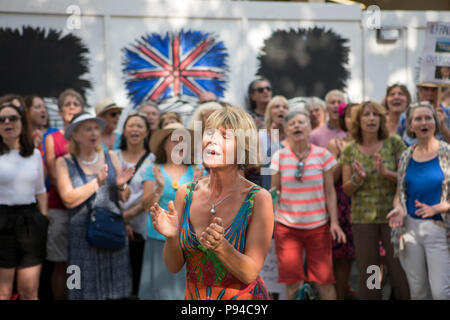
(114,114)
(261,89)
(299,173)
(12,118)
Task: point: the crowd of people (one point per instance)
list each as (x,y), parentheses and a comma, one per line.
(332,183)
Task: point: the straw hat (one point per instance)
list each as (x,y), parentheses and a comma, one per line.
(160,135)
(105,105)
(79,119)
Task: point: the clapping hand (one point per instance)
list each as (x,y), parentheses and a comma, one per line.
(125,175)
(165,222)
(213,235)
(102,175)
(378,161)
(159,177)
(359,170)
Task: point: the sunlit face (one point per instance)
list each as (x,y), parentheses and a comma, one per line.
(428,94)
(38,112)
(277,113)
(10,124)
(316,115)
(333,102)
(370,120)
(70,107)
(261,92)
(297,128)
(135,131)
(219,147)
(152,114)
(87,134)
(423,123)
(396,100)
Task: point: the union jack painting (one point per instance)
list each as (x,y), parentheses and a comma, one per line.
(186,63)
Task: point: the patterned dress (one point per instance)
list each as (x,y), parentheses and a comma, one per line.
(105,274)
(206,276)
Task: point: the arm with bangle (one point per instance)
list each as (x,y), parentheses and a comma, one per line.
(352,177)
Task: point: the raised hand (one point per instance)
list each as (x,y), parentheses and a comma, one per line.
(359,170)
(37,137)
(102,175)
(165,222)
(395,217)
(124,175)
(212,237)
(159,177)
(378,162)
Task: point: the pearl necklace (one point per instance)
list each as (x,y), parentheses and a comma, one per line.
(88,163)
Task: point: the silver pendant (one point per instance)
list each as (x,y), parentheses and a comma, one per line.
(212,211)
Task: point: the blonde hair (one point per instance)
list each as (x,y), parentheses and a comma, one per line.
(74,147)
(356,132)
(201,110)
(236,119)
(273,103)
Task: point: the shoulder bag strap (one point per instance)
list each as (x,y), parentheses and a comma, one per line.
(83,177)
(138,165)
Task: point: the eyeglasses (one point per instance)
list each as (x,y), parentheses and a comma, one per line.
(299,173)
(114,114)
(261,89)
(12,118)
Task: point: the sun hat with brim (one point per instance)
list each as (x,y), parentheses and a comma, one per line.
(427,84)
(79,119)
(160,135)
(105,105)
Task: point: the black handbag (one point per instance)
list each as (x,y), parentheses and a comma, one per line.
(105,229)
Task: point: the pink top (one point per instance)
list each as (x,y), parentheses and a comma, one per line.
(60,145)
(322,135)
(302,204)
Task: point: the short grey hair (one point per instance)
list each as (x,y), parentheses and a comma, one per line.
(409,117)
(147,103)
(295,111)
(336,92)
(315,101)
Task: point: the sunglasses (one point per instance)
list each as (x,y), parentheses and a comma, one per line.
(299,173)
(114,114)
(12,118)
(261,89)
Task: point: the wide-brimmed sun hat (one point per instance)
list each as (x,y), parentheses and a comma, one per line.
(160,135)
(79,119)
(105,105)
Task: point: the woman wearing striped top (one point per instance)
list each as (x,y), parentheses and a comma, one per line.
(304,177)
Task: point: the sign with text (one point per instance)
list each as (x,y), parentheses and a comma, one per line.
(435,66)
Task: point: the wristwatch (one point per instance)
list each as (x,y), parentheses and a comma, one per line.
(122,187)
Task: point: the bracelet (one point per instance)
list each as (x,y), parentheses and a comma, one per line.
(356,184)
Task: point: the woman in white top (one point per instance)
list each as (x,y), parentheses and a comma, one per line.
(23,227)
(134,152)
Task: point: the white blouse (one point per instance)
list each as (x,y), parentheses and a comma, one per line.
(21,179)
